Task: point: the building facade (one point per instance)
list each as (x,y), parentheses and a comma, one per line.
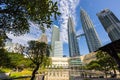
(58,49)
(110,23)
(56,44)
(43,38)
(59,62)
(72,39)
(91,35)
(86,59)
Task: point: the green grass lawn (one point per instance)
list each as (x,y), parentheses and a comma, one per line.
(4,70)
(14,74)
(25,72)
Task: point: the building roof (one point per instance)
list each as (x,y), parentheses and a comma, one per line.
(43,38)
(114,44)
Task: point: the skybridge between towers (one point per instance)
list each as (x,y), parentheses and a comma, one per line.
(80,35)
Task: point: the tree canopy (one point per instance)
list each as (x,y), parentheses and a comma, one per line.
(38,54)
(14,14)
(104,62)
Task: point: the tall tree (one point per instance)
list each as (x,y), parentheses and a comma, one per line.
(4,58)
(16,60)
(14,14)
(47,61)
(37,52)
(104,62)
(93,65)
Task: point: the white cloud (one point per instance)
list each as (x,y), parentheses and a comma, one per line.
(34,34)
(67,8)
(21,39)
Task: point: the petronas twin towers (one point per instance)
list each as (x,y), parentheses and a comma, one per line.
(90,32)
(91,36)
(73,44)
(109,21)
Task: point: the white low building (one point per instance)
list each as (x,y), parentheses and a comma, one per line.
(60,62)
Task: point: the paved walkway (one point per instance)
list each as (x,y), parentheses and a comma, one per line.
(4,75)
(96,79)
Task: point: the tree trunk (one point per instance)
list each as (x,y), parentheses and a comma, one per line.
(113,67)
(105,74)
(34,71)
(114,72)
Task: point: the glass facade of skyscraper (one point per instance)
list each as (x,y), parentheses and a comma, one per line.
(56,44)
(73,44)
(110,23)
(91,35)
(58,49)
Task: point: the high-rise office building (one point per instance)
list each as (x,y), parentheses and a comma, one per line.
(72,39)
(55,34)
(43,38)
(110,23)
(58,49)
(56,44)
(91,35)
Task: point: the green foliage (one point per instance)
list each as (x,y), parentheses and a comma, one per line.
(18,61)
(38,53)
(27,63)
(13,60)
(4,70)
(1,42)
(47,61)
(93,65)
(105,60)
(4,59)
(14,14)
(103,63)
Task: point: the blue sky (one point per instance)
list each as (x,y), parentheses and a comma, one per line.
(72,8)
(92,7)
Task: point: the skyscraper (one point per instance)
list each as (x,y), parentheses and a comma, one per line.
(55,34)
(73,44)
(56,44)
(91,35)
(58,49)
(43,38)
(110,23)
